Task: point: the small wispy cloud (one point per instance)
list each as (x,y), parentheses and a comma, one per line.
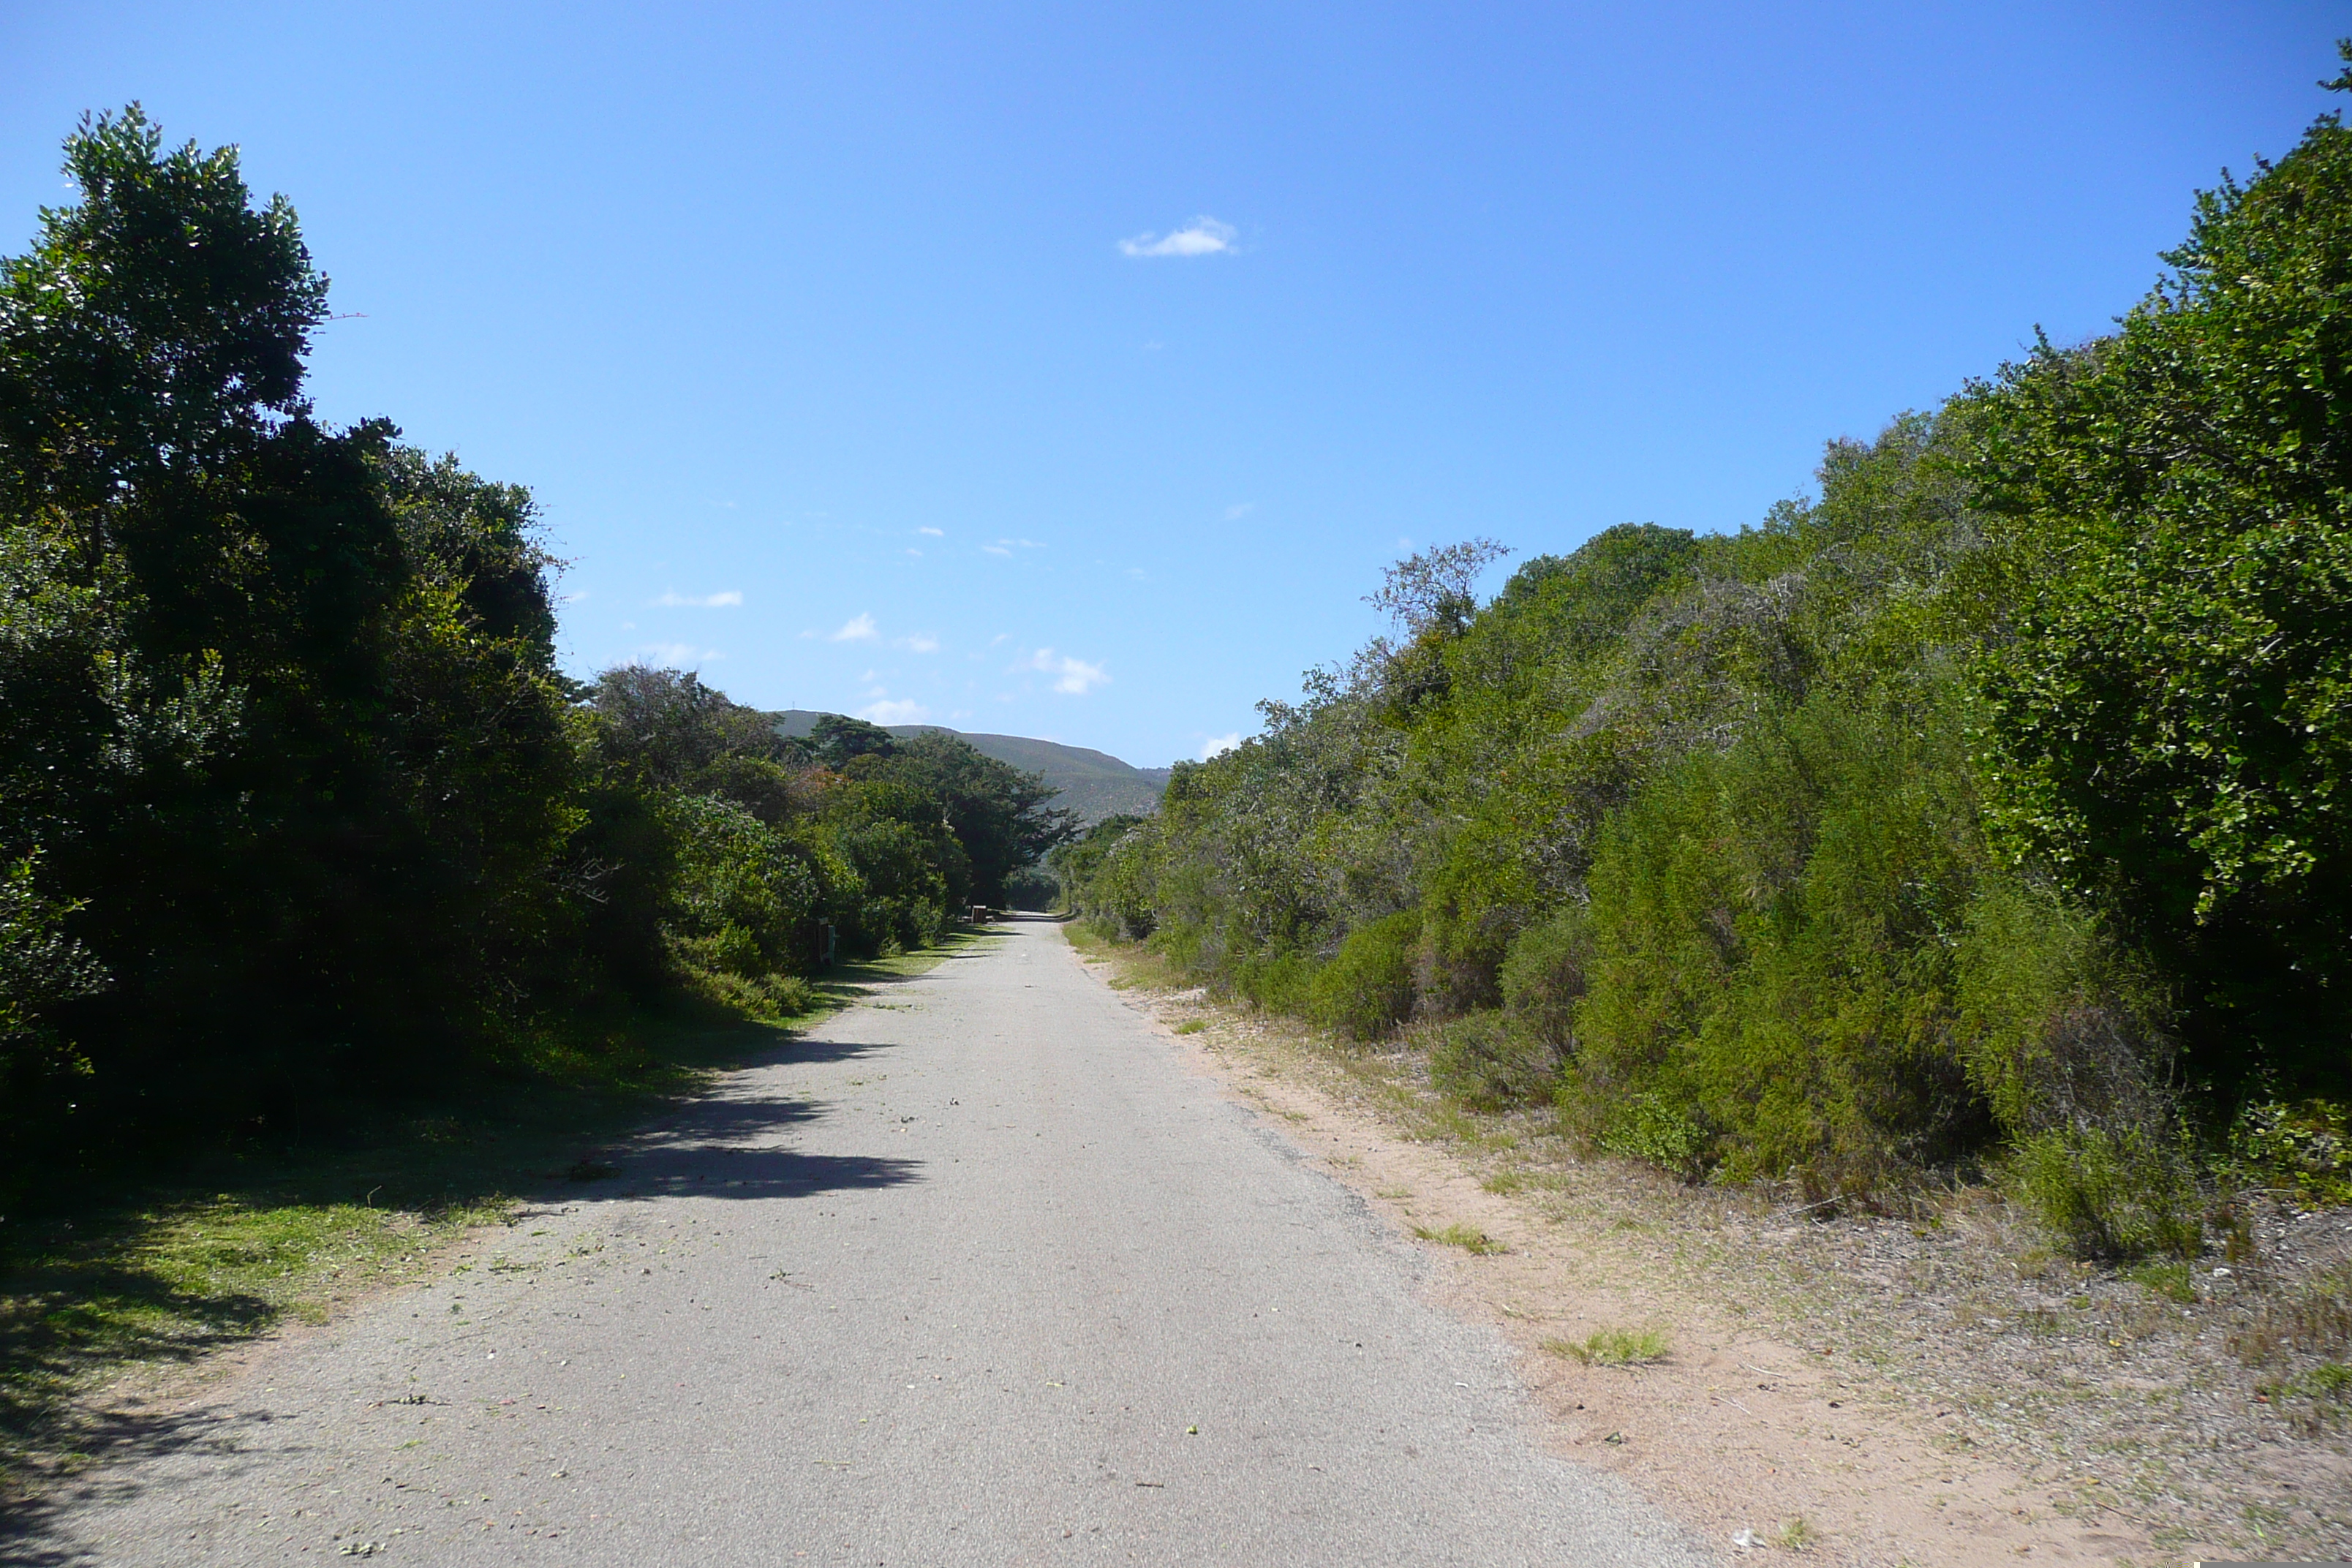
(900,711)
(1074,676)
(858,629)
(1217,744)
(934,533)
(911,550)
(680,655)
(1204,236)
(1239,510)
(1135,573)
(995,550)
(921,642)
(674,600)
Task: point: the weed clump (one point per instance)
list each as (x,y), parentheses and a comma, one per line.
(1614,1347)
(1469,1238)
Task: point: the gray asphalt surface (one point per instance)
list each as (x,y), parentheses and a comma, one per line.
(977,1273)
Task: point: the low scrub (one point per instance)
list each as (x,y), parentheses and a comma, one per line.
(2110,1196)
(1490,1061)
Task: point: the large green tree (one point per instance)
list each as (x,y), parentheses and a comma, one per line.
(2170,728)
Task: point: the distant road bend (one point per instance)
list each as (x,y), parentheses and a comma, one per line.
(975,1273)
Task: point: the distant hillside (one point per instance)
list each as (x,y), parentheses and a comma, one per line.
(1095,784)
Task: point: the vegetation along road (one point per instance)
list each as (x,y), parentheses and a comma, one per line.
(975,1272)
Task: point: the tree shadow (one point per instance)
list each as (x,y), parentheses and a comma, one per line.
(93,1286)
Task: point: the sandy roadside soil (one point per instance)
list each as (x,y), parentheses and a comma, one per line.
(1799,1410)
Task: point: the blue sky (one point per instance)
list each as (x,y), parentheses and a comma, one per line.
(1074,370)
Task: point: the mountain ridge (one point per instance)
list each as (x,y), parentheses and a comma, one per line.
(1094,785)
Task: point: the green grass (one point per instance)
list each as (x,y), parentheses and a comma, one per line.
(2170,1280)
(148,1268)
(1469,1238)
(1192,1025)
(1614,1347)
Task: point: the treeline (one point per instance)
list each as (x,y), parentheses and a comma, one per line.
(294,802)
(1994,808)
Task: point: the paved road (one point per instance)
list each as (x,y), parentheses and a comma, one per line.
(976,1274)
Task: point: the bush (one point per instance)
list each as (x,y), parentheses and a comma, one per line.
(2110,1195)
(768,996)
(744,903)
(1491,1062)
(2304,1148)
(1278,981)
(1544,977)
(1653,1128)
(1367,988)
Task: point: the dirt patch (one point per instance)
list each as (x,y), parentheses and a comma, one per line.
(1935,1390)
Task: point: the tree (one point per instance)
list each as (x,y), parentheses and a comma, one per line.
(999,814)
(2170,729)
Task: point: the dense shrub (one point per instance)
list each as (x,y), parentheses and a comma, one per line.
(1366,990)
(1545,973)
(2111,1195)
(1991,794)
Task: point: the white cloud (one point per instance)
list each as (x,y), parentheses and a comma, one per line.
(995,550)
(1218,744)
(921,642)
(934,533)
(579,598)
(1239,510)
(1135,573)
(1075,677)
(860,629)
(911,550)
(681,655)
(674,599)
(1204,236)
(904,710)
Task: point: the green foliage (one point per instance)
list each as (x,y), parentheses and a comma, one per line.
(1366,990)
(2304,1148)
(1545,975)
(2111,1195)
(1774,947)
(1653,1128)
(2170,731)
(1002,818)
(294,804)
(742,904)
(1993,794)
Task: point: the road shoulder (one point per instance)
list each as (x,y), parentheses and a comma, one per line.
(1777,1419)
